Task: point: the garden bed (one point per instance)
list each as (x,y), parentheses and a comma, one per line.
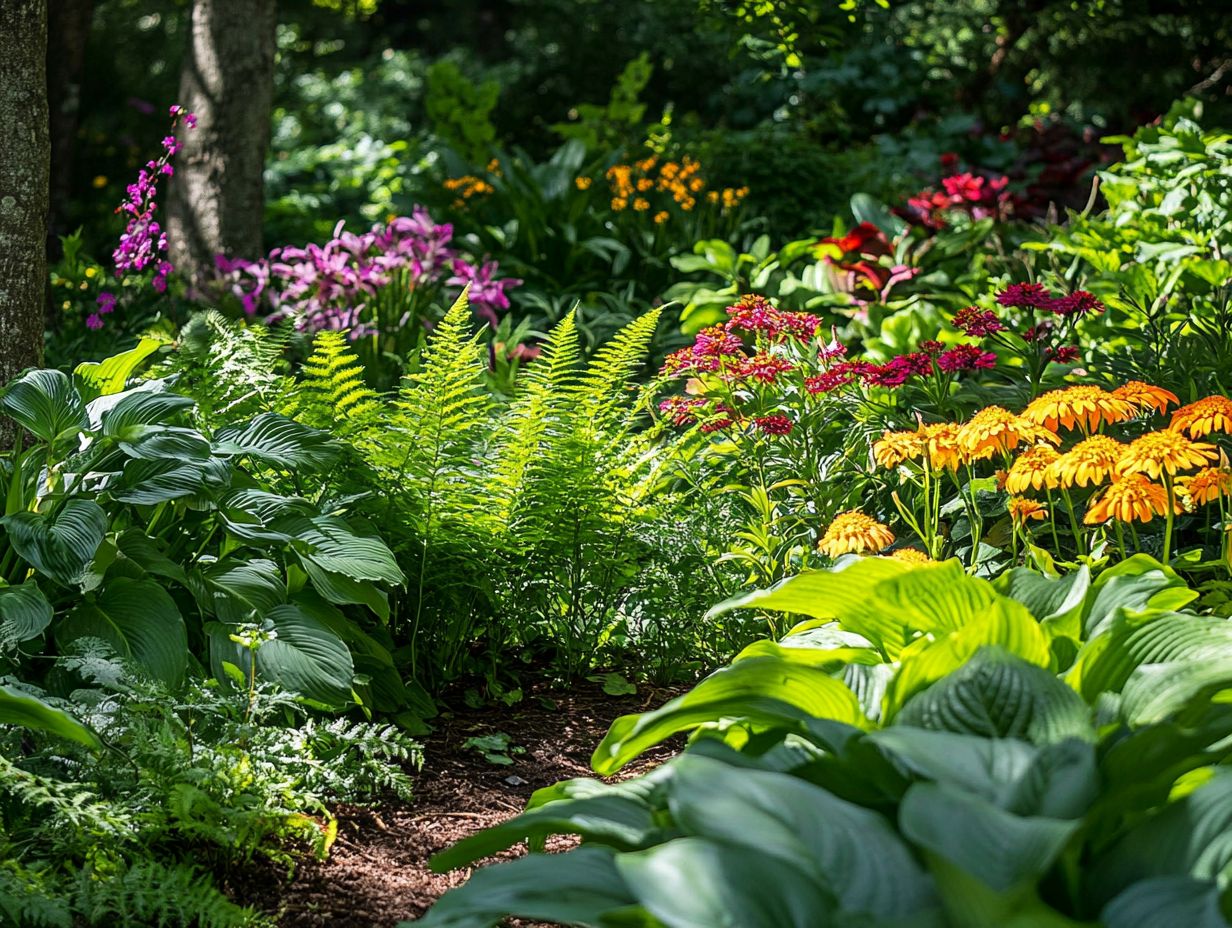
(377,873)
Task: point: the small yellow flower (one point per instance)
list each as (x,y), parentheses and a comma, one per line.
(1207,485)
(1032,470)
(1145,396)
(943,448)
(712,196)
(855,533)
(91,272)
(641,204)
(1164,452)
(99,182)
(994,429)
(661,216)
(494,167)
(646,164)
(1212,414)
(1132,498)
(619,203)
(893,448)
(910,555)
(582,183)
(1022,510)
(644,184)
(687,203)
(1085,407)
(1091,461)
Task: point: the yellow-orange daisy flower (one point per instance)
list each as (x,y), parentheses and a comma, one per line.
(1132,498)
(1207,485)
(1212,414)
(1032,470)
(855,533)
(1085,407)
(1145,395)
(1091,461)
(994,429)
(910,555)
(894,448)
(1164,452)
(1022,510)
(943,448)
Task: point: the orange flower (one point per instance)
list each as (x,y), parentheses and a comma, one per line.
(1091,461)
(894,448)
(1085,407)
(582,183)
(1130,498)
(1212,414)
(994,429)
(1145,396)
(943,448)
(910,555)
(1164,452)
(1207,485)
(855,533)
(1032,470)
(661,216)
(1022,509)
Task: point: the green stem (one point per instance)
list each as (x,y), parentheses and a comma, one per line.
(1169,517)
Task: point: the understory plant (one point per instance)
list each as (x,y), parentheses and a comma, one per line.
(929,748)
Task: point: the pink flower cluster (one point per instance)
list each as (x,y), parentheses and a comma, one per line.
(721,347)
(976,195)
(329,286)
(144,242)
(1060,312)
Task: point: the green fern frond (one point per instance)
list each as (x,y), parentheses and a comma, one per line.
(333,394)
(232,370)
(616,363)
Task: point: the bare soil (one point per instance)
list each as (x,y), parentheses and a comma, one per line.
(377,873)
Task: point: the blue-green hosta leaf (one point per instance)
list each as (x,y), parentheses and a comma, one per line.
(164,442)
(978,765)
(278,440)
(331,544)
(1003,623)
(998,695)
(342,590)
(1002,850)
(1191,837)
(1137,584)
(695,883)
(139,407)
(1155,692)
(107,377)
(24,613)
(239,591)
(577,888)
(1056,602)
(45,402)
(971,903)
(62,546)
(26,710)
(775,692)
(148,482)
(254,515)
(140,621)
(848,849)
(1166,900)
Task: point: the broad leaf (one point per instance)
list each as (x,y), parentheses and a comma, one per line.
(24,613)
(23,709)
(45,402)
(140,621)
(279,441)
(103,378)
(61,546)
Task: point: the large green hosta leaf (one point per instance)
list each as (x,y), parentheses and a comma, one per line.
(24,613)
(279,441)
(18,707)
(1136,585)
(777,692)
(140,621)
(582,887)
(237,590)
(62,546)
(998,695)
(107,377)
(45,402)
(333,546)
(1168,900)
(1056,602)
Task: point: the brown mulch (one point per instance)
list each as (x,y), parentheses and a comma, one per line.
(377,873)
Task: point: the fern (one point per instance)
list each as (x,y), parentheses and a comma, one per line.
(332,393)
(233,371)
(160,896)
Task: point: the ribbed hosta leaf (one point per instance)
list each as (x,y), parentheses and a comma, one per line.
(279,441)
(998,695)
(778,692)
(331,544)
(18,707)
(254,515)
(45,402)
(238,590)
(148,482)
(1057,602)
(61,546)
(106,377)
(139,620)
(24,613)
(1138,584)
(1169,900)
(1155,692)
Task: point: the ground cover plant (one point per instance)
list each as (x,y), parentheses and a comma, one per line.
(834,395)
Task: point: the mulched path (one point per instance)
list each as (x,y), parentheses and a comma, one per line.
(377,873)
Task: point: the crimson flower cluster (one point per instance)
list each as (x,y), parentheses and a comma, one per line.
(144,242)
(977,195)
(720,348)
(1059,313)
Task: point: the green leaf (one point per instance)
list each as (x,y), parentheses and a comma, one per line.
(694,883)
(103,378)
(614,684)
(578,888)
(140,621)
(1056,602)
(342,590)
(61,546)
(1168,900)
(1137,584)
(332,545)
(23,709)
(998,695)
(778,692)
(45,402)
(279,441)
(238,591)
(24,613)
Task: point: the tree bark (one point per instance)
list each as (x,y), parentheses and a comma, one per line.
(217,194)
(25,152)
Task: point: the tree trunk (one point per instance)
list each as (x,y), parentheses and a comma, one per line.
(25,152)
(217,194)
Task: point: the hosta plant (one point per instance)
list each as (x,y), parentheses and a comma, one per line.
(930,749)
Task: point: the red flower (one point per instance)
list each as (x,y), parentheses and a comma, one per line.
(1026,296)
(774,425)
(764,368)
(1065,354)
(859,238)
(966,358)
(977,322)
(1078,303)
